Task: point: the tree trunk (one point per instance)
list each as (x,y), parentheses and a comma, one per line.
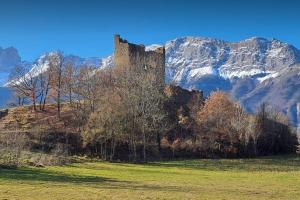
(134,152)
(41,100)
(58,105)
(44,101)
(158,142)
(144,149)
(34,101)
(70,95)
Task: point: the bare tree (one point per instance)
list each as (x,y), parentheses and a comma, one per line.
(69,81)
(56,68)
(151,110)
(88,81)
(25,84)
(144,99)
(44,80)
(107,125)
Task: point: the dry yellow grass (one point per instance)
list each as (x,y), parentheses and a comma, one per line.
(24,118)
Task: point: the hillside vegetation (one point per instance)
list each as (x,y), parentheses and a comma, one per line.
(131,115)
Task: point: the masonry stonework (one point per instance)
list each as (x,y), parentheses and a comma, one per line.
(133,57)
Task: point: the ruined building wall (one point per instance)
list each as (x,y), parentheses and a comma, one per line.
(133,57)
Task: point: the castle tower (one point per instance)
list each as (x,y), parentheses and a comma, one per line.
(133,57)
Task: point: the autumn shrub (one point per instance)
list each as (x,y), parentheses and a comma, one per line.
(12,146)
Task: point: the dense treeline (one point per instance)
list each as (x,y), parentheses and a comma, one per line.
(223,127)
(117,114)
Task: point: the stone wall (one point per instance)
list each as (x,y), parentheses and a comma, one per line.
(182,107)
(133,57)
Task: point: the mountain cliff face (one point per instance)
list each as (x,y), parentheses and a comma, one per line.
(253,71)
(191,58)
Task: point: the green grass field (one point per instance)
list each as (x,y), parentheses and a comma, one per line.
(264,178)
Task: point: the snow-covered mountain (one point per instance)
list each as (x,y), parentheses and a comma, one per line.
(190,58)
(41,65)
(253,71)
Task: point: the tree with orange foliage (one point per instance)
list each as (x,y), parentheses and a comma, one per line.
(221,123)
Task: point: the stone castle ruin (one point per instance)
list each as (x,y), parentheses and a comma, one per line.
(133,57)
(130,57)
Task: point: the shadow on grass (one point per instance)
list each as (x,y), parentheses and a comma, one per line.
(28,174)
(39,175)
(273,163)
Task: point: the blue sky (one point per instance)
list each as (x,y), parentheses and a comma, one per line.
(86,27)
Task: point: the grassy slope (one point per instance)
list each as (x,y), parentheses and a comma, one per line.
(26,119)
(267,178)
